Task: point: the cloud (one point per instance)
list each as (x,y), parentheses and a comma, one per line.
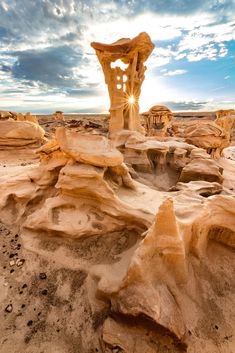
(45,45)
(186,106)
(226,77)
(175,73)
(5,68)
(50,66)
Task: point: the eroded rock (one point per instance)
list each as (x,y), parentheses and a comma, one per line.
(91,149)
(124,84)
(20,133)
(157,120)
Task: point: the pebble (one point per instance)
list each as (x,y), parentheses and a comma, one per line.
(42,275)
(20,262)
(9,308)
(12,263)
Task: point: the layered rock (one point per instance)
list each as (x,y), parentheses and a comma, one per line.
(94,149)
(162,281)
(20,134)
(156,283)
(210,136)
(163,163)
(224,113)
(203,188)
(144,289)
(76,180)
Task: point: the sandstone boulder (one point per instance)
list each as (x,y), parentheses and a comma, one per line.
(202,169)
(20,133)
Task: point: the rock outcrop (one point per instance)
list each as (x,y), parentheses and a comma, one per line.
(124,84)
(20,134)
(155,285)
(161,280)
(27,117)
(76,179)
(162,164)
(224,113)
(208,135)
(7,115)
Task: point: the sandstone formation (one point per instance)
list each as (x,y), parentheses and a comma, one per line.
(96,150)
(20,117)
(7,115)
(213,136)
(224,112)
(154,293)
(160,281)
(58,115)
(162,164)
(27,117)
(210,136)
(83,172)
(124,84)
(32,118)
(157,120)
(20,134)
(118,244)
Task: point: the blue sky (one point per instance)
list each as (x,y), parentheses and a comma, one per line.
(47,64)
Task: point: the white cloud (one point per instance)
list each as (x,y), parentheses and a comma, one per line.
(175,73)
(208,52)
(226,77)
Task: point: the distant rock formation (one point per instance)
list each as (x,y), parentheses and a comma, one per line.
(124,84)
(27,117)
(58,115)
(224,112)
(157,120)
(7,115)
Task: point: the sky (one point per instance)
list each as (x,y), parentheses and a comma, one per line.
(47,63)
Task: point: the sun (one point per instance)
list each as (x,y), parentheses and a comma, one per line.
(131,99)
